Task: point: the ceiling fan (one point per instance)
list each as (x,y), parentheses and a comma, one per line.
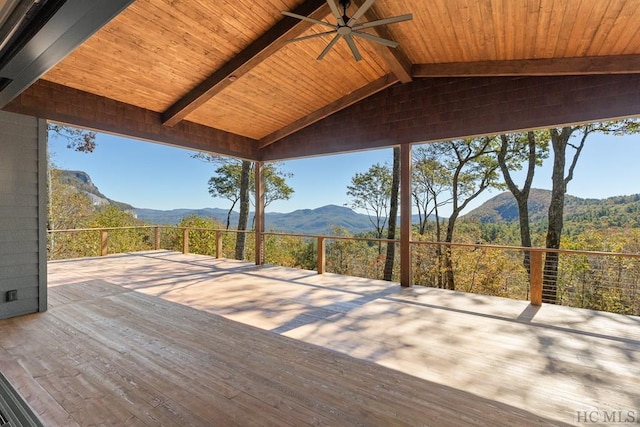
(347,28)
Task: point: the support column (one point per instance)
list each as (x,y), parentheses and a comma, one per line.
(259,236)
(405,215)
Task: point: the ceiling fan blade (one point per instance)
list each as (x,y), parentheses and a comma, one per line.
(385,21)
(312,36)
(306,18)
(353,47)
(329,46)
(361,11)
(376,39)
(336,12)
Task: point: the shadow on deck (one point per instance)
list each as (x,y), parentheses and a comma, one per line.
(162,337)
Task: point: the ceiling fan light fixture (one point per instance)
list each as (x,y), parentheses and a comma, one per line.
(347,28)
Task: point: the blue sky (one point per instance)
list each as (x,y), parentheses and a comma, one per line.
(155,176)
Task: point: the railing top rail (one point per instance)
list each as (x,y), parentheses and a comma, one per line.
(73,230)
(524,248)
(315,236)
(367,239)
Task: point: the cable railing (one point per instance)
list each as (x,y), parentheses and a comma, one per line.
(604,281)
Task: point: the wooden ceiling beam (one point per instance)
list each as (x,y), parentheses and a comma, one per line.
(355,96)
(74,107)
(616,64)
(259,50)
(395,58)
(439,109)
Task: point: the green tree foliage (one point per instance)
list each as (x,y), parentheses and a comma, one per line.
(68,209)
(430,188)
(71,209)
(472,165)
(371,191)
(202,235)
(234,180)
(225,184)
(125,240)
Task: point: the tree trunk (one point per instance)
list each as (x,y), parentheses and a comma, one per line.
(448,279)
(556,210)
(521,196)
(393,215)
(233,205)
(525,234)
(244,208)
(438,248)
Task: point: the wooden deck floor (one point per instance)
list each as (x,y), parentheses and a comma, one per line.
(161,338)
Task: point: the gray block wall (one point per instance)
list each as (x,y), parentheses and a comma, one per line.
(23,172)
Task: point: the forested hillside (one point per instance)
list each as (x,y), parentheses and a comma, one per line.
(618,211)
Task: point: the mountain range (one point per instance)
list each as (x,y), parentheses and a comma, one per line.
(612,211)
(617,211)
(307,221)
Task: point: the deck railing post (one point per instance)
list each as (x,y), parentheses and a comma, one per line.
(104,241)
(185,240)
(535,277)
(218,244)
(156,240)
(322,263)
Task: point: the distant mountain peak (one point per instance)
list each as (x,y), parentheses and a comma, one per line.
(81,181)
(503,207)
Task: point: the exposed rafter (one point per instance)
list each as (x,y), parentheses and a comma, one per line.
(242,63)
(394,57)
(350,99)
(619,64)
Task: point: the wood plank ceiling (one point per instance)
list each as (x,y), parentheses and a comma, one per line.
(227,65)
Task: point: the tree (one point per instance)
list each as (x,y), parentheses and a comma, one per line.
(393,215)
(77,139)
(234,180)
(561,140)
(371,191)
(225,184)
(245,173)
(68,209)
(430,180)
(473,167)
(515,149)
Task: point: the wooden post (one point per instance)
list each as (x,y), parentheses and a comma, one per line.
(218,244)
(405,215)
(259,191)
(185,240)
(535,277)
(322,263)
(104,241)
(156,241)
